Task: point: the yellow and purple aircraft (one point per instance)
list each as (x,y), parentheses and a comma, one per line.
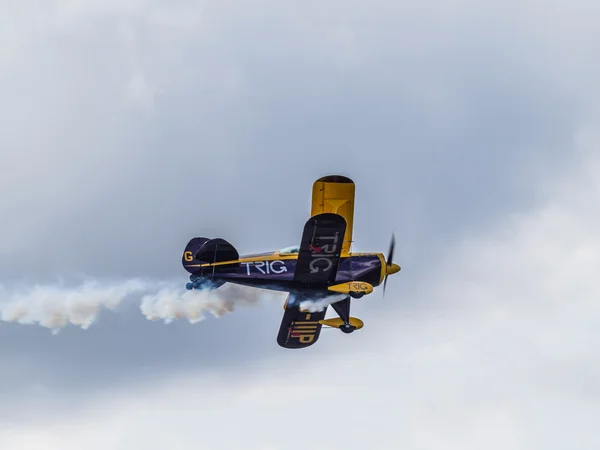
(319,272)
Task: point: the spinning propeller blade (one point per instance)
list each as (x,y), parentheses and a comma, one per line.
(391,268)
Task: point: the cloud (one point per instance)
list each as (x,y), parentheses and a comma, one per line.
(495,348)
(118,142)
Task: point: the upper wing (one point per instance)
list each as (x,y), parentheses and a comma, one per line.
(335,194)
(320,249)
(299,329)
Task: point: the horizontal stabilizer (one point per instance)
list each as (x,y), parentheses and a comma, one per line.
(202,250)
(217,250)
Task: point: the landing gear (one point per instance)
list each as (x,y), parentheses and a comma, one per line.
(343,310)
(347,328)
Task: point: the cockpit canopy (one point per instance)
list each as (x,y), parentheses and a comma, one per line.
(290,250)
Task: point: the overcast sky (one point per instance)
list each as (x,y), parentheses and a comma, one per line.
(471,131)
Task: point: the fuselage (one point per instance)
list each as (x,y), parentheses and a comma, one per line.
(275,271)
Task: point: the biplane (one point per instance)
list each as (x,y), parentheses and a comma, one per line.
(322,270)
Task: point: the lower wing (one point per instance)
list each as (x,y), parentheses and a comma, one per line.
(299,329)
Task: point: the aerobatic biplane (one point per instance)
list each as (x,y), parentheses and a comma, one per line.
(320,269)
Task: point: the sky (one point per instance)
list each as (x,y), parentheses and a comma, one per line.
(471,132)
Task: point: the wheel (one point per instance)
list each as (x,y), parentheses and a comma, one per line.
(347,328)
(356,294)
(189,286)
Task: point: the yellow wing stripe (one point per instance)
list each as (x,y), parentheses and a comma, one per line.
(276,256)
(273,257)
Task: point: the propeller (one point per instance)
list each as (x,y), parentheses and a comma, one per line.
(391,268)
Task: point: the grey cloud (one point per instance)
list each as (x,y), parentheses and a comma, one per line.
(243,112)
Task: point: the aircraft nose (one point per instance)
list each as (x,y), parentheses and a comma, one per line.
(392,269)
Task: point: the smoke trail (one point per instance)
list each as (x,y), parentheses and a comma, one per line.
(169,304)
(321,304)
(56,307)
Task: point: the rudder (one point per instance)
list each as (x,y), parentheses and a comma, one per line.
(191,249)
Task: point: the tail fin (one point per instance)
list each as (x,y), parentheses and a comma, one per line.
(207,251)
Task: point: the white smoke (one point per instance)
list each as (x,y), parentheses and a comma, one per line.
(58,306)
(169,304)
(320,305)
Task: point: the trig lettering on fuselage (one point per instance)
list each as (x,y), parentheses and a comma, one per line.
(323,254)
(265,267)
